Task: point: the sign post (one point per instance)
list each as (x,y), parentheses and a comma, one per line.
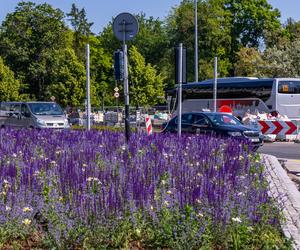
(88,96)
(125,27)
(179,89)
(215,83)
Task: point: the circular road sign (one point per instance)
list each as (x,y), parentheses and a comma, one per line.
(125,26)
(116,89)
(116,95)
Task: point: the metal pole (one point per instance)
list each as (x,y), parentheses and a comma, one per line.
(88,96)
(196,41)
(180,90)
(215,83)
(126,89)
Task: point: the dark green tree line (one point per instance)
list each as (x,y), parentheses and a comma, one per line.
(42,56)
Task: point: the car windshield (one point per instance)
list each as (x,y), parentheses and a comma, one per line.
(223,119)
(45,109)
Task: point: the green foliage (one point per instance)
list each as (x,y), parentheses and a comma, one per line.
(68,84)
(9,86)
(82,30)
(29,40)
(225,26)
(48,59)
(171,230)
(249,63)
(146,86)
(101,73)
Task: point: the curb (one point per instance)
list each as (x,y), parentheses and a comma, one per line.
(285,192)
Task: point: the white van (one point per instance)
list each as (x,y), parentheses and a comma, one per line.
(32,115)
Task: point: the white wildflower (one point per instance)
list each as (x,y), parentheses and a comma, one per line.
(166,203)
(169,192)
(200,215)
(7,208)
(36,173)
(53,163)
(93,179)
(236,219)
(27,209)
(165,155)
(14,155)
(26,222)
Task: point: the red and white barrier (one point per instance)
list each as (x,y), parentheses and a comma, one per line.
(148,124)
(278,127)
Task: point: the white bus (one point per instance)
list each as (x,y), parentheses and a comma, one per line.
(242,94)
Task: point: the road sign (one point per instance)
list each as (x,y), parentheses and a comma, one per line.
(116,95)
(116,89)
(125,26)
(278,127)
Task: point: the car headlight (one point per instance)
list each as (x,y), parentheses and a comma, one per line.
(41,122)
(235,133)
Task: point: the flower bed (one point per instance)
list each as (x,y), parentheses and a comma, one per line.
(78,189)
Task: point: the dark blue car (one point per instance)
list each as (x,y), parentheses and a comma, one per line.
(214,123)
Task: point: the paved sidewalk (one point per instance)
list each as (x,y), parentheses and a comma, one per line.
(284,190)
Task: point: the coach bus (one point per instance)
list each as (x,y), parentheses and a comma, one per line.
(242,94)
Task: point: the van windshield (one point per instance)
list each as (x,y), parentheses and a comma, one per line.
(45,109)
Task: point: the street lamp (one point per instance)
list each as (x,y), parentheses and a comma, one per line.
(196,42)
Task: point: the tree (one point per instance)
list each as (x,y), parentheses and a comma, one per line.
(249,63)
(101,73)
(146,86)
(282,60)
(82,29)
(151,41)
(69,80)
(214,35)
(9,86)
(225,26)
(29,40)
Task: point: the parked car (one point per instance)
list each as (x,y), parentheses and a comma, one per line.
(32,115)
(214,123)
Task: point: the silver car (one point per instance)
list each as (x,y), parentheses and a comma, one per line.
(32,115)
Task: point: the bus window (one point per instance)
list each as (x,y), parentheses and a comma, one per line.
(289,87)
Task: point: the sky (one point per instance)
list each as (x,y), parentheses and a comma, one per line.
(101,12)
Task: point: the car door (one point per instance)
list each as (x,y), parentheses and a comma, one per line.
(186,123)
(25,116)
(200,124)
(14,114)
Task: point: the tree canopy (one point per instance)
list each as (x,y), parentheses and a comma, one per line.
(42,57)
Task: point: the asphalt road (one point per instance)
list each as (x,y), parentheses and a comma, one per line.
(286,150)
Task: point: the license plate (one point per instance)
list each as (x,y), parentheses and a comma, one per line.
(255,140)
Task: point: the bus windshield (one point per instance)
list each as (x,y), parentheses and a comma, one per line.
(289,87)
(45,108)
